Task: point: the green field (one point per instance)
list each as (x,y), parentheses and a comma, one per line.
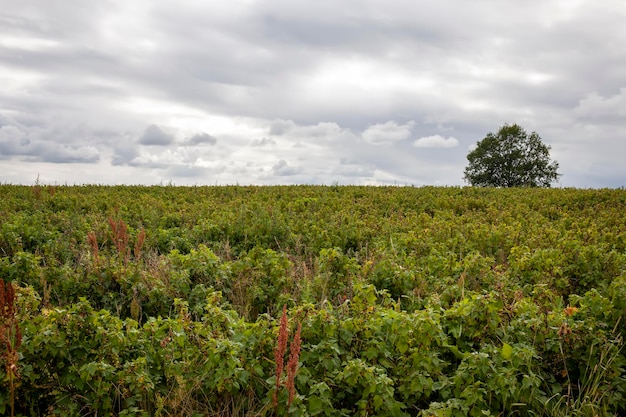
(403,301)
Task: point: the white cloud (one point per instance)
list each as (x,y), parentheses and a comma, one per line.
(386,133)
(436,141)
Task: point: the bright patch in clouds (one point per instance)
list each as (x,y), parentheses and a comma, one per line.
(386,133)
(436,141)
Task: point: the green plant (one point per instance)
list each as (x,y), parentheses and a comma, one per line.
(409,301)
(594,394)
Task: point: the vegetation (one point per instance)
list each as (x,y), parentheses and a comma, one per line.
(312,301)
(511,158)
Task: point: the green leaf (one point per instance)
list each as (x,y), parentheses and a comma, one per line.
(316,405)
(402,346)
(378,402)
(507,351)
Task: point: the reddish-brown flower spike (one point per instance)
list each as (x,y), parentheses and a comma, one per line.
(7,300)
(141,237)
(123,237)
(93,243)
(279,353)
(113,225)
(18,337)
(292,364)
(10,335)
(120,235)
(11,301)
(2,301)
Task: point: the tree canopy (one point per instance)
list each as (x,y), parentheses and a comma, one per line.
(511,158)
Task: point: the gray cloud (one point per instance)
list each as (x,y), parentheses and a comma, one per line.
(282,168)
(389,86)
(201,139)
(34,144)
(279,127)
(598,109)
(153,135)
(188,171)
(264,142)
(124,155)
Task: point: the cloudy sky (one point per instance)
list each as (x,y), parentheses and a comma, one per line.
(305,92)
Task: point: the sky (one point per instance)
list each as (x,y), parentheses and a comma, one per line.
(264,92)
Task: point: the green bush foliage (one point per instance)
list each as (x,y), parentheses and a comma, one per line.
(411,301)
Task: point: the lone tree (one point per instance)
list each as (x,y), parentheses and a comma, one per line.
(511,158)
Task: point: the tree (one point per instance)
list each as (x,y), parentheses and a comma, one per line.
(511,158)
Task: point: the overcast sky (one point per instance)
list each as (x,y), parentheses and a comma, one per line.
(305,92)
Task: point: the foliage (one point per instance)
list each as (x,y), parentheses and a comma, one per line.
(511,158)
(332,301)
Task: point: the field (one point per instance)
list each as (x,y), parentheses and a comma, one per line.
(312,301)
